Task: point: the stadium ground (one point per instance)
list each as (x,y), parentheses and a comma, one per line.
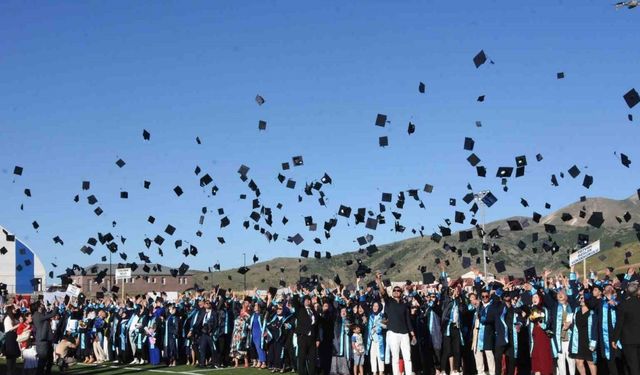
(111,369)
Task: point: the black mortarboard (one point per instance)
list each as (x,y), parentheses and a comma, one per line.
(522,245)
(596,219)
(381,120)
(224,222)
(428,278)
(344,211)
(177,190)
(242,270)
(627,216)
(514,225)
(560,75)
(429,188)
(547,206)
(115,289)
(588,181)
(421,87)
(468,198)
(383,141)
(468,143)
(17,170)
(459,217)
(504,172)
(98,211)
(452,201)
(574,171)
(530,273)
(304,253)
(500,266)
(183,269)
(481,171)
(349,262)
(550,228)
(170,230)
(489,199)
(466,262)
(371,223)
(632,98)
(260,100)
(120,163)
(566,216)
(479,59)
(481,98)
(297,161)
(473,159)
(624,159)
(262,125)
(411,128)
(147,184)
(146,135)
(205,180)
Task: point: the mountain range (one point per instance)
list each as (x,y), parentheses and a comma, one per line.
(542,242)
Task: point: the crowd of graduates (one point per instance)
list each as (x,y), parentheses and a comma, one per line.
(553,324)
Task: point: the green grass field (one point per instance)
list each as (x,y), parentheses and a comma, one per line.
(112,369)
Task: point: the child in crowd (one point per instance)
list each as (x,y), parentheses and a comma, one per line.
(357,345)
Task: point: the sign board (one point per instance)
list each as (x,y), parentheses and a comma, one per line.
(584,253)
(73,291)
(123,273)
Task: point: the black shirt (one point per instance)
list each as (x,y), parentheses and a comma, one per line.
(398,315)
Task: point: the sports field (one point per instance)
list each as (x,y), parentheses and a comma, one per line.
(112,369)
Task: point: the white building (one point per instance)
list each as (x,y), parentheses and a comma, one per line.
(20,268)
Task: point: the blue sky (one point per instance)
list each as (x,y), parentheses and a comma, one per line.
(80,81)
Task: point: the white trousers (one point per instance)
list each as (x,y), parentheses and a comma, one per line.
(98,352)
(491,364)
(564,357)
(377,364)
(398,342)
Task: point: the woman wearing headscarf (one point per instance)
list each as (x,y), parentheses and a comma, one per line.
(375,339)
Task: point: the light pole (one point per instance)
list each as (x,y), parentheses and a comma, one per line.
(244,257)
(479,199)
(110,271)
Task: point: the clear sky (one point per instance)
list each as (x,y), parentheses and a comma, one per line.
(79,81)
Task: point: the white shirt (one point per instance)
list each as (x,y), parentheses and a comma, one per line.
(8,325)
